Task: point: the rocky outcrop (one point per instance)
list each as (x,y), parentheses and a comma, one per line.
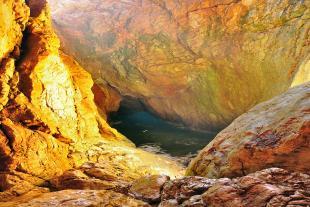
(83,198)
(270,187)
(148,188)
(49,121)
(56,148)
(200,63)
(275,133)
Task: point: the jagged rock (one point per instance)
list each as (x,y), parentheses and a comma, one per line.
(148,188)
(91,176)
(202,63)
(23,186)
(80,198)
(183,189)
(13,18)
(270,187)
(49,121)
(272,134)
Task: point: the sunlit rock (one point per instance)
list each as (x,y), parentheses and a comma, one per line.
(83,198)
(275,133)
(49,121)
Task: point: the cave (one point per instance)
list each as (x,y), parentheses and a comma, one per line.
(164,103)
(157,135)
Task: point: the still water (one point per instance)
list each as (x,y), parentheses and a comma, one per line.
(159,136)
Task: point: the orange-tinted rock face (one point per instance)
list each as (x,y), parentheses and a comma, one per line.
(199,62)
(84,198)
(106,98)
(49,121)
(270,187)
(274,133)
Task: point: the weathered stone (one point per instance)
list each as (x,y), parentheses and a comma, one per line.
(270,187)
(202,63)
(107,99)
(275,133)
(184,188)
(33,152)
(77,179)
(16,186)
(49,121)
(252,191)
(79,198)
(169,203)
(13,18)
(148,188)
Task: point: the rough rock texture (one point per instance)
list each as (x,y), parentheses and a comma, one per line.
(275,133)
(270,187)
(107,99)
(13,18)
(148,188)
(49,121)
(199,62)
(84,198)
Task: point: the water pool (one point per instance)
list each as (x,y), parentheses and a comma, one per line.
(159,136)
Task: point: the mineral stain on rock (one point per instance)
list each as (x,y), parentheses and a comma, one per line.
(199,63)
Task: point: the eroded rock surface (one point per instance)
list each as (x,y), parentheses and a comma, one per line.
(49,121)
(202,63)
(84,198)
(270,187)
(275,133)
(148,188)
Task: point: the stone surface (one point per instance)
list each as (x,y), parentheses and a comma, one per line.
(270,187)
(185,188)
(83,198)
(148,188)
(54,136)
(202,63)
(106,98)
(275,133)
(49,120)
(13,18)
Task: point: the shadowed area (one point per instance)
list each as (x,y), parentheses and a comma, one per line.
(154,134)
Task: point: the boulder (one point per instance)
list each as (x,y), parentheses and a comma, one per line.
(148,188)
(201,63)
(275,133)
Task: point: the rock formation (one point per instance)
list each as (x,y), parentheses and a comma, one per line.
(56,148)
(270,187)
(49,122)
(202,63)
(275,133)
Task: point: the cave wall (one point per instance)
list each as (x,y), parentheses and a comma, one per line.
(49,120)
(201,63)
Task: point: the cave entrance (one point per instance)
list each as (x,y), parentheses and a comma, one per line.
(153,134)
